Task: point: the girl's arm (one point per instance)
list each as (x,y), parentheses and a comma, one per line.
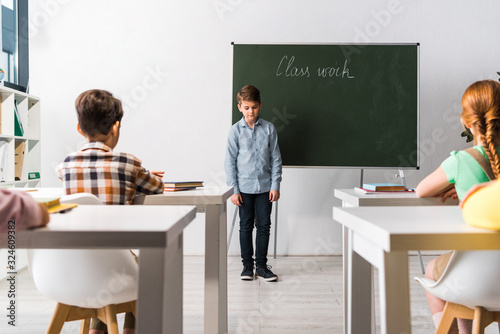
(434,184)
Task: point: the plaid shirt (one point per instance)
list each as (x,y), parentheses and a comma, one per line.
(113,177)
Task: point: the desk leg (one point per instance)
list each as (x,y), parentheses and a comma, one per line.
(216,269)
(346,256)
(345,265)
(395,294)
(160,302)
(359,292)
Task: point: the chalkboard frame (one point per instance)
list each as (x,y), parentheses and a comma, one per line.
(412,159)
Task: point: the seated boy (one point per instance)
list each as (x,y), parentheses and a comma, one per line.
(112,176)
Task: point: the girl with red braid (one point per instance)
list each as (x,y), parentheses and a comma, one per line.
(465,169)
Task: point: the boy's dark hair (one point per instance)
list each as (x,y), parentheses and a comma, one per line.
(97,111)
(248,93)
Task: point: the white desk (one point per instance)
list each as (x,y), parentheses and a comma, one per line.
(353,198)
(381,237)
(212,201)
(156,231)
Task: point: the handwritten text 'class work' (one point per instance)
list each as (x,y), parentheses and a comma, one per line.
(287,69)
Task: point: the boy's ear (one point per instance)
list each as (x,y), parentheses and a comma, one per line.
(79,129)
(115,127)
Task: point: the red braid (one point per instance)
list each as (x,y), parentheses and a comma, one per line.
(481,109)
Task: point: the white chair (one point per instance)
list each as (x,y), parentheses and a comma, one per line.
(85,283)
(470,285)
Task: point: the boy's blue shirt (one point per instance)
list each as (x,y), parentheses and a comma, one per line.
(253,158)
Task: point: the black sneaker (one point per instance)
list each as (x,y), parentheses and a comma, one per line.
(247,273)
(266,274)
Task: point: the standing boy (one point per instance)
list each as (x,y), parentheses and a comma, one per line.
(114,177)
(253,169)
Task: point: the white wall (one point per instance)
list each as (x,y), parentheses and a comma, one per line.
(171,63)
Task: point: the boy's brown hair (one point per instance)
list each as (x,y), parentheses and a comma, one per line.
(248,93)
(97,111)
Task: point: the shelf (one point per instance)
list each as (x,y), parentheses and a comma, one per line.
(20,153)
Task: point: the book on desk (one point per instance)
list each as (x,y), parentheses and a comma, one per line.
(384,187)
(182,185)
(54,205)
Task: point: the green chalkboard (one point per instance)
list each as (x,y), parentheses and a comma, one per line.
(336,105)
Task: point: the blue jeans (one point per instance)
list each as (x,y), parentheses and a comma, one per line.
(255,211)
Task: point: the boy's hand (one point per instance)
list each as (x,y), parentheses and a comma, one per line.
(157,173)
(236,199)
(274,195)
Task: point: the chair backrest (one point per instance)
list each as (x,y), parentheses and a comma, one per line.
(85,278)
(472,278)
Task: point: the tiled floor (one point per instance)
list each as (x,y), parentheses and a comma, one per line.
(307,299)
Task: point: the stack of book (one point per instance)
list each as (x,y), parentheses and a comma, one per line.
(185,185)
(381,187)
